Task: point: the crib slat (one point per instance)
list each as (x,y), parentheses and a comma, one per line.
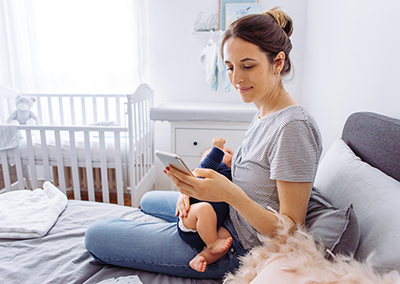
(131,161)
(60,162)
(103,166)
(145,138)
(39,108)
(6,172)
(89,168)
(118,110)
(31,156)
(71,102)
(118,168)
(135,149)
(149,135)
(50,109)
(74,166)
(142,140)
(107,118)
(83,113)
(61,110)
(45,154)
(94,102)
(19,168)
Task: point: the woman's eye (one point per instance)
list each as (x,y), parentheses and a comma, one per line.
(248,67)
(229,68)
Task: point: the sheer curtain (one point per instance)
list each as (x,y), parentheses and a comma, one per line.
(72,46)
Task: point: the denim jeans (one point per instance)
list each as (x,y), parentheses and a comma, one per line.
(155,247)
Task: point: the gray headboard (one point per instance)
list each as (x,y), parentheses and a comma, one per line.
(375,138)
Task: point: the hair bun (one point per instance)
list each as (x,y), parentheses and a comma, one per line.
(282,19)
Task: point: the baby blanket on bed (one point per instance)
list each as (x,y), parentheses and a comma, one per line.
(8,137)
(28,214)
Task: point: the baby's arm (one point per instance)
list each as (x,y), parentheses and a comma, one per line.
(219,142)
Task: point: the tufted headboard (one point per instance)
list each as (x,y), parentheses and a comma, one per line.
(375,138)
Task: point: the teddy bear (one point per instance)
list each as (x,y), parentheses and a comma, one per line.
(23,115)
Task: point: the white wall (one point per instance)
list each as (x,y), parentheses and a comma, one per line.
(175,69)
(176,73)
(352,61)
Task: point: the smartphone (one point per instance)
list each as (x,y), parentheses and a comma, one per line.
(170,159)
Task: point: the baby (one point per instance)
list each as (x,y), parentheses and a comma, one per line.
(201,228)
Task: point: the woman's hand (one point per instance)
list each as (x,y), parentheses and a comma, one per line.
(182,205)
(212,186)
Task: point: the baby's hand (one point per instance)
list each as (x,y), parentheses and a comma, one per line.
(219,142)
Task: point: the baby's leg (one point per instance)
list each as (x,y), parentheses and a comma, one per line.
(200,261)
(202,217)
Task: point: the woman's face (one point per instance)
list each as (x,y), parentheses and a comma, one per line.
(249,70)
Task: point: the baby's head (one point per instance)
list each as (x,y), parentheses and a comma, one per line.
(227,159)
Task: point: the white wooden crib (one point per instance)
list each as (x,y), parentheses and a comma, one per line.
(107,137)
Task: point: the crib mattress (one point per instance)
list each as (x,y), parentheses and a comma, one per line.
(61,257)
(66,149)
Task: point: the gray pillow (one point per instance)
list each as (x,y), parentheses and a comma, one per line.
(344,178)
(338,229)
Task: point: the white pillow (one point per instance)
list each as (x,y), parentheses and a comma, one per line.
(343,178)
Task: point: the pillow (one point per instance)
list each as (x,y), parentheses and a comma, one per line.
(343,178)
(337,229)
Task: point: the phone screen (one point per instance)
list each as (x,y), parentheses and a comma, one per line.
(171,159)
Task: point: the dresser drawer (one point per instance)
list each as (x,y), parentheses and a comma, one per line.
(193,142)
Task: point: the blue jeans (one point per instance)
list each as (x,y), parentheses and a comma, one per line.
(155,247)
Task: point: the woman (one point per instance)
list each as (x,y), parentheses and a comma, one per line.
(275,165)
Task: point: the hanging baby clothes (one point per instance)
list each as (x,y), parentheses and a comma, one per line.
(212,63)
(222,70)
(209,60)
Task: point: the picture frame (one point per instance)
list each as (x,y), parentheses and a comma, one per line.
(222,10)
(236,11)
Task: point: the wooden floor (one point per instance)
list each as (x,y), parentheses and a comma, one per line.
(99,197)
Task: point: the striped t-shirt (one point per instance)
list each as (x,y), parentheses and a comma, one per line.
(285,145)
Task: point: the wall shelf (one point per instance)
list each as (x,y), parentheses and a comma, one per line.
(207,33)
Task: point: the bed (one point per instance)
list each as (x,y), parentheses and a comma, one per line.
(102,143)
(60,255)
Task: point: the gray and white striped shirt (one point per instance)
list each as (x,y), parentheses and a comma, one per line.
(285,145)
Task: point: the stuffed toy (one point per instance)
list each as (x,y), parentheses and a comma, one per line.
(23,115)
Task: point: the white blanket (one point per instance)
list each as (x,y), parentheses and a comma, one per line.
(8,137)
(30,214)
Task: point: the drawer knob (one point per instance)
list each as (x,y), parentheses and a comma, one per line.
(195,143)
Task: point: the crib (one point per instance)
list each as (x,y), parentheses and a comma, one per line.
(90,146)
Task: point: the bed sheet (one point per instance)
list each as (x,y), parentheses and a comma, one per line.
(61,257)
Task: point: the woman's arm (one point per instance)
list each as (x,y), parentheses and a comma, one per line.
(215,187)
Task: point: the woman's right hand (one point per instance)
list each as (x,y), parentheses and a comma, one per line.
(182,205)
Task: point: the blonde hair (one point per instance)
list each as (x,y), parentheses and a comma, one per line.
(282,19)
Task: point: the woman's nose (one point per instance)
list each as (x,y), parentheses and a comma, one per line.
(237,78)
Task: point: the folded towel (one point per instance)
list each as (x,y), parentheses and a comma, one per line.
(26,214)
(8,136)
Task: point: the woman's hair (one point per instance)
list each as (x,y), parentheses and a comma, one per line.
(270,31)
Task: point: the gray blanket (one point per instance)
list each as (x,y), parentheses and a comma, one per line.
(61,257)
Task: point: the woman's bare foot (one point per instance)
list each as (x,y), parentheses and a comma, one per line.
(198,263)
(220,245)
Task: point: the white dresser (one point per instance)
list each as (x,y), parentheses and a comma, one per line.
(193,126)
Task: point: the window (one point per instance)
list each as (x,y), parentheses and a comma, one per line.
(71,46)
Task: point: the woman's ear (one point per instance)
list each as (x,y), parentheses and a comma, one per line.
(279,62)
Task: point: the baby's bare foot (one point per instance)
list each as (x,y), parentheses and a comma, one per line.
(220,245)
(198,263)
